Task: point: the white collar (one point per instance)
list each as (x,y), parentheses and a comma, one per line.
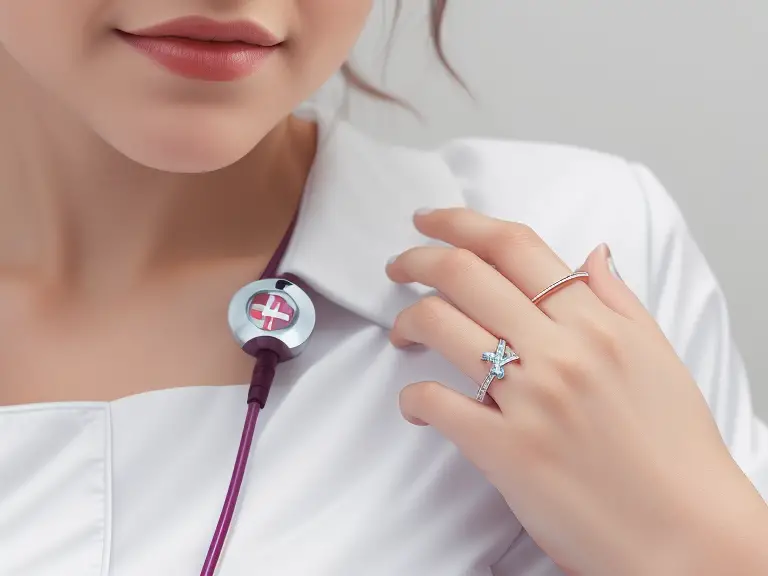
(356,214)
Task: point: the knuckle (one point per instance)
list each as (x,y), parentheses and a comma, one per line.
(430,311)
(551,396)
(457,262)
(412,322)
(572,365)
(568,362)
(517,234)
(603,336)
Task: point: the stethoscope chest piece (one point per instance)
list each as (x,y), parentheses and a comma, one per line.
(272,320)
(273,314)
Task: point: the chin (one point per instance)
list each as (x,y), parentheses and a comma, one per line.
(187,156)
(196,144)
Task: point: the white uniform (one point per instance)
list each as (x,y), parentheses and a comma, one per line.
(338,484)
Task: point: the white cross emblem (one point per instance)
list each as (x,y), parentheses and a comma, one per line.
(268,311)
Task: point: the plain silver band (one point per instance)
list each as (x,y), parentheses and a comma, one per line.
(481,392)
(559,284)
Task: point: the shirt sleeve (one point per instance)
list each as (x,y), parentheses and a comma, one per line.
(688,303)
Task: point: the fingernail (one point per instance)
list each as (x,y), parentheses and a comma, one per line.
(391,260)
(415,421)
(423,212)
(610,262)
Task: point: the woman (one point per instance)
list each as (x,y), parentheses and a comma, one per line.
(151,166)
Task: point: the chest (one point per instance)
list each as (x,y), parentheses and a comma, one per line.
(338,483)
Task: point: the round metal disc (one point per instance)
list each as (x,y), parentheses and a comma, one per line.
(274,314)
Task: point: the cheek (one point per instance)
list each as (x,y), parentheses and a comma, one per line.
(48,38)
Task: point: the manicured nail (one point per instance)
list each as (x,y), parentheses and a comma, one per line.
(610,262)
(423,212)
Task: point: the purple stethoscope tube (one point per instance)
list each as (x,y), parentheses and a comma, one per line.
(272,320)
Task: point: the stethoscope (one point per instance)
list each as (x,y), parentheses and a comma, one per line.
(272,320)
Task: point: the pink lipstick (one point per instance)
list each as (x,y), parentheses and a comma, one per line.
(202,49)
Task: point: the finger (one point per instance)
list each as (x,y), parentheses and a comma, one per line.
(476,289)
(517,252)
(608,286)
(436,324)
(470,425)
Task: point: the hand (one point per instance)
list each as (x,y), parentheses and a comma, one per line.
(599,439)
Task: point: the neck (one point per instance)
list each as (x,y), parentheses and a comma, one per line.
(76,214)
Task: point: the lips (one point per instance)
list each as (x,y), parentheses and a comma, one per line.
(203,49)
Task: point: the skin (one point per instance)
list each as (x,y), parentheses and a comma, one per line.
(127,200)
(602,477)
(128,195)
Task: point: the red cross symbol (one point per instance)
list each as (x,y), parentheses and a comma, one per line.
(270,311)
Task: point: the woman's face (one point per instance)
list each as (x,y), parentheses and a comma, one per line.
(160,118)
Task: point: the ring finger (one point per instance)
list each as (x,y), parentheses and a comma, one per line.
(479,291)
(436,324)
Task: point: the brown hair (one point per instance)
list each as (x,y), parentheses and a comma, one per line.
(436,17)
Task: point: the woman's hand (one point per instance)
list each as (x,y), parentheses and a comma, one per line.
(598,437)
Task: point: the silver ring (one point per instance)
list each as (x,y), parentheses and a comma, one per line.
(503,355)
(559,284)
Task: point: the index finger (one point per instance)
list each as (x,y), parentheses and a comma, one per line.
(516,251)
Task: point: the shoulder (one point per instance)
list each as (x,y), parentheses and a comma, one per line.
(544,180)
(574,198)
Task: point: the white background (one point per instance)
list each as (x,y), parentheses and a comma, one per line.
(677,85)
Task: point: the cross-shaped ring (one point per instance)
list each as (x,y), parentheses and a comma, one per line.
(503,355)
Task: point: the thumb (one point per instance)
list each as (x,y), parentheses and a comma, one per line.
(467,423)
(607,284)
